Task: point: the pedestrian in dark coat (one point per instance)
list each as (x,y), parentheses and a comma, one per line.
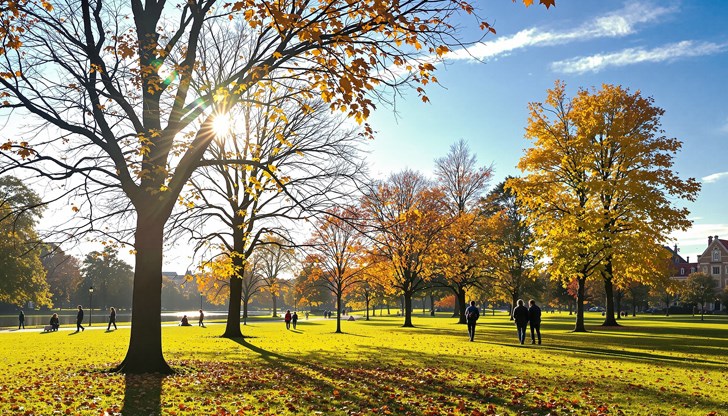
(112,319)
(471,317)
(520,316)
(79,319)
(21,320)
(55,322)
(294,319)
(287,318)
(534,320)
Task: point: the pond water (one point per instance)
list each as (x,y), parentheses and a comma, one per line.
(34,319)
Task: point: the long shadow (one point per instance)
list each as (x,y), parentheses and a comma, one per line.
(142,394)
(265,354)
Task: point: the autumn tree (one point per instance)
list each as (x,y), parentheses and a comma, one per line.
(600,187)
(231,206)
(112,85)
(338,250)
(309,291)
(276,259)
(63,274)
(513,268)
(700,288)
(406,222)
(463,183)
(22,277)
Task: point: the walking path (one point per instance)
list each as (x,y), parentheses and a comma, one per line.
(102,326)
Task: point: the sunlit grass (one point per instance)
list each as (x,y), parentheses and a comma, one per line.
(652,365)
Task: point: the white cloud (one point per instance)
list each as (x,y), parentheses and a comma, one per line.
(669,52)
(714,177)
(694,241)
(616,24)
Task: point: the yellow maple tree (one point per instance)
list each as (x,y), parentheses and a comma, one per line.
(599,187)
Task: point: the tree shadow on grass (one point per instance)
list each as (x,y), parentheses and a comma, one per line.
(142,394)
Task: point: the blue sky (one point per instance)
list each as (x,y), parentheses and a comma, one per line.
(673,51)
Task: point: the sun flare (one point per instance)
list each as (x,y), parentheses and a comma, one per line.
(221,125)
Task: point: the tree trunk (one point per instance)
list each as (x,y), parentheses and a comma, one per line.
(245,312)
(408,310)
(366,306)
(579,325)
(667,305)
(275,307)
(232,327)
(145,345)
(609,290)
(432,305)
(514,301)
(461,305)
(338,313)
(424,303)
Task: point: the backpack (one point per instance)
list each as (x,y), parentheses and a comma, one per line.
(473,315)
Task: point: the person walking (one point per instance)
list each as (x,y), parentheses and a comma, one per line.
(287,318)
(520,316)
(202,317)
(79,319)
(534,320)
(112,319)
(294,319)
(471,317)
(21,319)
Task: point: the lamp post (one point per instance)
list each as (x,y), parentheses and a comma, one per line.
(200,300)
(90,303)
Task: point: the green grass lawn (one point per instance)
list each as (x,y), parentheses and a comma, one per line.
(651,366)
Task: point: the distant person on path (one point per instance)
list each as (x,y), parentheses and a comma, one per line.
(79,319)
(112,319)
(287,318)
(185,321)
(534,320)
(471,317)
(55,322)
(520,316)
(202,317)
(306,315)
(21,320)
(294,319)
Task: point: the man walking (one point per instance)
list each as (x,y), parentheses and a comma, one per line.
(79,319)
(21,320)
(520,316)
(471,317)
(534,320)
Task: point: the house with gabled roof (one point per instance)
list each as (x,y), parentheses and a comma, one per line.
(681,267)
(713,262)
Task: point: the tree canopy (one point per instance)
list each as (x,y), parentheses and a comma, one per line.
(599,186)
(22,277)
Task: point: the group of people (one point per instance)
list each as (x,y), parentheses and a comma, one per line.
(55,322)
(201,322)
(522,315)
(290,318)
(527,315)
